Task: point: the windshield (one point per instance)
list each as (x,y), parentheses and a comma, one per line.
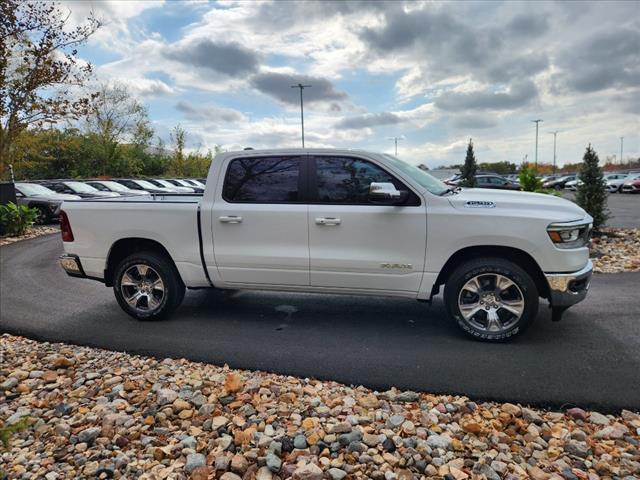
(145,184)
(165,183)
(30,189)
(432,184)
(80,187)
(115,186)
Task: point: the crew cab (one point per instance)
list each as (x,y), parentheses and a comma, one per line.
(337,222)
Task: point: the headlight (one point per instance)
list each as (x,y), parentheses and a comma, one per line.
(569,235)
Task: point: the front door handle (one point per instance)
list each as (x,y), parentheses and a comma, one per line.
(329,221)
(231,219)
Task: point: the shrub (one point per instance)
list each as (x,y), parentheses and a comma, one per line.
(528,180)
(469,169)
(15,219)
(592,192)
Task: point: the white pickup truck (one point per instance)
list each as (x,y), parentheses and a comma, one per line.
(337,221)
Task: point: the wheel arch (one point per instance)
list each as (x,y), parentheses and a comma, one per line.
(125,247)
(520,257)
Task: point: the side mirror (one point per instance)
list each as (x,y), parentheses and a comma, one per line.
(386,193)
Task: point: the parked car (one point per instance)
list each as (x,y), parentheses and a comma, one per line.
(490,181)
(195,182)
(615,184)
(573,184)
(183,183)
(45,201)
(75,187)
(143,185)
(559,183)
(631,185)
(111,186)
(166,184)
(337,221)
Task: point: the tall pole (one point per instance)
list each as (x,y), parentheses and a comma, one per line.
(301,87)
(621,143)
(395,142)
(555,134)
(536,122)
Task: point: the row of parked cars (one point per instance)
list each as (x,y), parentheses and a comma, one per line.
(616,182)
(46,196)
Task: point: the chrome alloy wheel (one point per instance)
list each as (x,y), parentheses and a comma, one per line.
(491,302)
(142,288)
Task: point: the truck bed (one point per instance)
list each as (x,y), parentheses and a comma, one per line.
(170,220)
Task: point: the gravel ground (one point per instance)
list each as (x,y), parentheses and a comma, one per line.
(617,250)
(35,231)
(100,414)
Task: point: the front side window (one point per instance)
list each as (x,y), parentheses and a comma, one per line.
(347,180)
(263,180)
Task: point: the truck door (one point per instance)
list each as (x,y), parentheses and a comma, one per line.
(259,222)
(354,243)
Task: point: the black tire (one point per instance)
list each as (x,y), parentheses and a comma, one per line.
(173,289)
(42,217)
(485,268)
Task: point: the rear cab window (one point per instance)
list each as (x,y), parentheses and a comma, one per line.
(276,179)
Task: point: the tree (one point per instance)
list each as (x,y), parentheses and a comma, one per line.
(178,137)
(592,192)
(38,63)
(469,168)
(114,118)
(529,182)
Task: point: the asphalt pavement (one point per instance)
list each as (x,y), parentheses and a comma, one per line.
(624,209)
(591,358)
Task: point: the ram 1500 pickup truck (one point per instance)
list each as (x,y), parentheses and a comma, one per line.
(337,221)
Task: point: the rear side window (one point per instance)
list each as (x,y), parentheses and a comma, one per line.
(263,180)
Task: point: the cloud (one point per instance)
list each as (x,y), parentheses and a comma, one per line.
(211,113)
(517,96)
(528,25)
(472,122)
(369,120)
(609,58)
(230,59)
(147,87)
(278,85)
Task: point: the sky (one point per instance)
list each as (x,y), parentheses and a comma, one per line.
(434,74)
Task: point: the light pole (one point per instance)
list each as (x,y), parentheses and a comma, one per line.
(621,143)
(536,122)
(301,87)
(395,141)
(555,134)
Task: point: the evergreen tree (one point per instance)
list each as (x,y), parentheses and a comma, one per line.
(592,194)
(470,168)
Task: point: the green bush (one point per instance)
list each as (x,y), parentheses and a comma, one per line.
(15,219)
(528,180)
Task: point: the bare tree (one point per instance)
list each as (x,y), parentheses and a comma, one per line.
(115,117)
(38,64)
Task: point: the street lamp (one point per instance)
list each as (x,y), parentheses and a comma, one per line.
(301,87)
(395,141)
(621,143)
(536,122)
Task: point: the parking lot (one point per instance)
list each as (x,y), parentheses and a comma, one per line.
(624,209)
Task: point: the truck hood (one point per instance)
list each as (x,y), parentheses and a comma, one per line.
(524,203)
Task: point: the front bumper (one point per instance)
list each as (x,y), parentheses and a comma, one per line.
(71,264)
(566,289)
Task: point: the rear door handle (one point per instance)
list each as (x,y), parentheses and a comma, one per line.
(329,221)
(231,219)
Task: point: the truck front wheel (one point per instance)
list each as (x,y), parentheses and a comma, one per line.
(491,299)
(147,286)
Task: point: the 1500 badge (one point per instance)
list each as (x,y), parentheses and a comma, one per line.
(479,204)
(405,266)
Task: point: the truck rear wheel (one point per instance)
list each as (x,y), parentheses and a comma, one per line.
(491,299)
(148,286)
